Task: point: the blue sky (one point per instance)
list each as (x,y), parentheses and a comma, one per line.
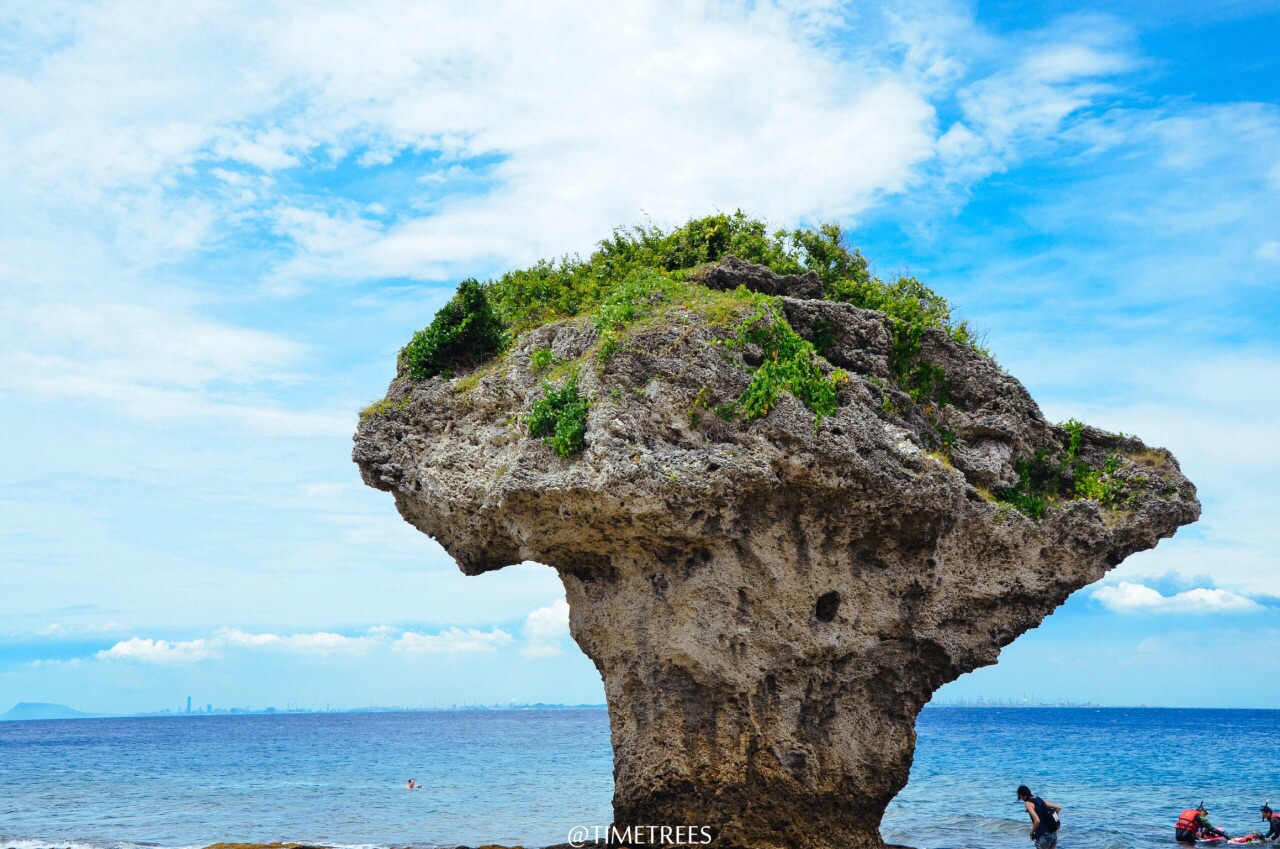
(222,220)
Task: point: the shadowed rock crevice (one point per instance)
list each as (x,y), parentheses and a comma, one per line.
(771,602)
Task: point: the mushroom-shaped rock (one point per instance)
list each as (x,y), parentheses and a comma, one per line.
(770,598)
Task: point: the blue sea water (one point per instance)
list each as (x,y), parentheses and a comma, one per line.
(526,777)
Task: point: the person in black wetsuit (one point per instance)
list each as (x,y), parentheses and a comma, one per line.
(1044,820)
(1272,819)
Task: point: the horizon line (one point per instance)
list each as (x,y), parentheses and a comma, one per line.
(166,713)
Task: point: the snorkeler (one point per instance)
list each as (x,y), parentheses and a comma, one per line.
(1193,823)
(1272,819)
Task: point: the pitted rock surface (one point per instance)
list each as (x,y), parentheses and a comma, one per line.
(770,604)
(731,272)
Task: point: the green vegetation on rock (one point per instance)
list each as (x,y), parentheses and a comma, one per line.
(641,271)
(790,364)
(541,359)
(570,286)
(465,332)
(644,274)
(912,308)
(560,418)
(1044,479)
(386,405)
(634,297)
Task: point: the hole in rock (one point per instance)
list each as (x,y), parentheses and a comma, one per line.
(827,607)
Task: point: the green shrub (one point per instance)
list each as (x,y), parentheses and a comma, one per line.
(790,364)
(1039,480)
(559,418)
(1044,479)
(1102,485)
(826,252)
(549,291)
(700,241)
(464,332)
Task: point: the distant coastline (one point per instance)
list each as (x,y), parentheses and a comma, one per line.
(1017,703)
(44,711)
(40,711)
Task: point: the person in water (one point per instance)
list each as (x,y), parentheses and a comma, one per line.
(412,785)
(1044,818)
(1273,820)
(1193,824)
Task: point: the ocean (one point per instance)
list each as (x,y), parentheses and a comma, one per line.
(527,777)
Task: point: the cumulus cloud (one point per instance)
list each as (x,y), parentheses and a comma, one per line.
(1126,597)
(545,630)
(451,641)
(159,651)
(322,642)
(229,641)
(193,197)
(489,143)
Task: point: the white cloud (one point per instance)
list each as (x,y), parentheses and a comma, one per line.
(121,158)
(187,194)
(61,630)
(159,651)
(229,641)
(1027,102)
(452,641)
(320,642)
(681,109)
(545,629)
(1128,597)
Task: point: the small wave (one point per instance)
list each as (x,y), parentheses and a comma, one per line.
(46,843)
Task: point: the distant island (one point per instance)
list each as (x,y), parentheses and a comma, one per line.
(42,710)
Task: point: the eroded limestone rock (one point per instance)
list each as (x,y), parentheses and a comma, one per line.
(732,272)
(771,603)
